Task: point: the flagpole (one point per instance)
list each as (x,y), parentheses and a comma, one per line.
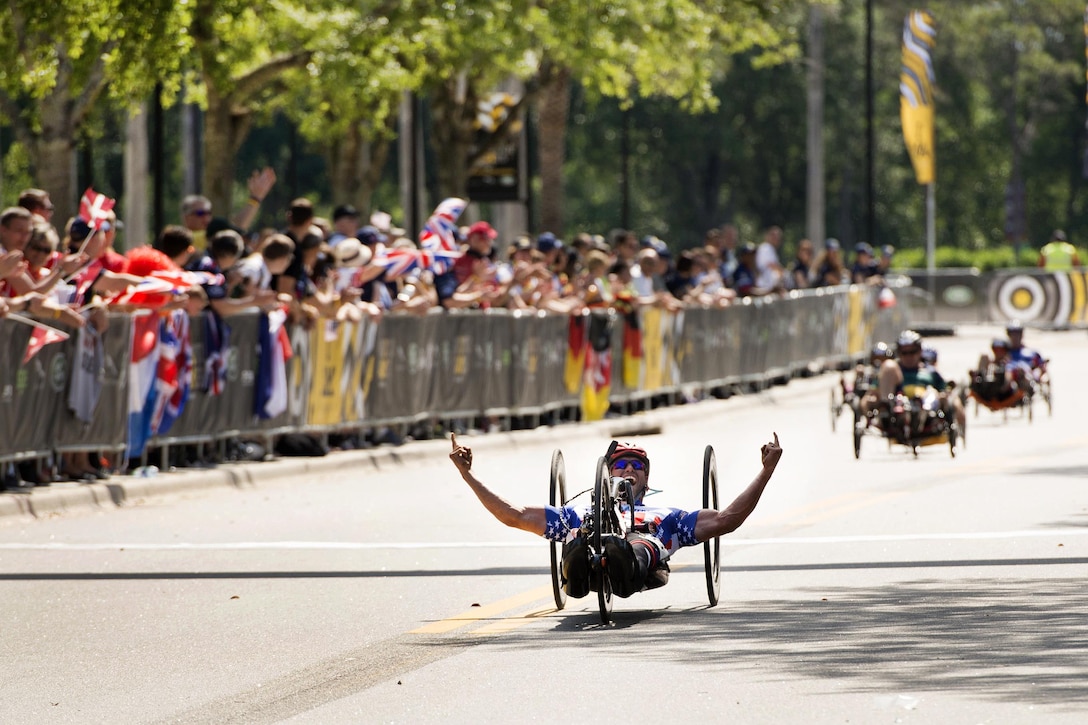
(931,246)
(34,323)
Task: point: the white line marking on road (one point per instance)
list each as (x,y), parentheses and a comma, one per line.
(372,546)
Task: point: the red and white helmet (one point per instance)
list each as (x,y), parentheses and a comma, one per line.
(626,450)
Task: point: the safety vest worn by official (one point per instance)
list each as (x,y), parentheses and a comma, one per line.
(1058,256)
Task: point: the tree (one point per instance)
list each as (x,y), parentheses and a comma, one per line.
(62,56)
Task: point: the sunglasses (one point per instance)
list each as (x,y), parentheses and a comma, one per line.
(910,350)
(201,212)
(625,463)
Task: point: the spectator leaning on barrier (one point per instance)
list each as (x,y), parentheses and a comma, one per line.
(829,269)
(864,270)
(801,271)
(769,272)
(1058,255)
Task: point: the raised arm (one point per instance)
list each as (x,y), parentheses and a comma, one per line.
(529,519)
(711,523)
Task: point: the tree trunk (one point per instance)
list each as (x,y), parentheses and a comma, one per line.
(452,116)
(224,131)
(554,109)
(355,167)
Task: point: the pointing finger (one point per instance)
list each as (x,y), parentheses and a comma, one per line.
(776,439)
(453,439)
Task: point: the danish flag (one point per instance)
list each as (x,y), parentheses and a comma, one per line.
(95,208)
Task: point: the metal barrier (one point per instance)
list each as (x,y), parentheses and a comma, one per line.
(407,369)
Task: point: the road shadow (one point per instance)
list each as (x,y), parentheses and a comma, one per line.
(1020,640)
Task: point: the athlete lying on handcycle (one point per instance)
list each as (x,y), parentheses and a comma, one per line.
(637,561)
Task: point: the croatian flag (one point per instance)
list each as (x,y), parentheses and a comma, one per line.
(142,394)
(95,208)
(439,235)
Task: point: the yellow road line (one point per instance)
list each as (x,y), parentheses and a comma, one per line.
(484,612)
(513,622)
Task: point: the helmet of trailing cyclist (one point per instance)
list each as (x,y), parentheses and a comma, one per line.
(1000,343)
(929,355)
(880,351)
(626,450)
(908,338)
(1014,327)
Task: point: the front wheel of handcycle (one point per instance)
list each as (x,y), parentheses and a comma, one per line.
(712,548)
(557,496)
(602,525)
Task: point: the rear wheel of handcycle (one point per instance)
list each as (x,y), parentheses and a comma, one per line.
(712,548)
(835,409)
(602,525)
(952,436)
(557,496)
(858,432)
(1044,387)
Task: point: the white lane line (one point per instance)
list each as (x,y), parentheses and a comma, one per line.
(371,546)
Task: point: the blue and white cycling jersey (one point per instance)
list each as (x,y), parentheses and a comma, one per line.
(674,528)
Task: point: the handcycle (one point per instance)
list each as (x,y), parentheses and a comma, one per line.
(609,514)
(990,389)
(914,418)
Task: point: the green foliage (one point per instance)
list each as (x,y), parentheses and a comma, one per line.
(985,260)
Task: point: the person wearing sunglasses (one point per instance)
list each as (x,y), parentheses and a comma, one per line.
(639,560)
(909,370)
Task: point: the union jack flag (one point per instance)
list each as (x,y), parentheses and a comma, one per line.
(174,372)
(439,235)
(399,262)
(94,208)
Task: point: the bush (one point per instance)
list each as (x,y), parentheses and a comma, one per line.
(986,260)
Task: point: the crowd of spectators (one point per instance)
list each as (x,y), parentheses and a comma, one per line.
(349,268)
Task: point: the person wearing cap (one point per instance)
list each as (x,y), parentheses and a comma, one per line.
(1058,255)
(828,269)
(345,222)
(1031,358)
(479,250)
(638,560)
(865,270)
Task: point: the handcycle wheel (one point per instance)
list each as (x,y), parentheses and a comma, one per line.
(557,496)
(602,524)
(836,408)
(712,548)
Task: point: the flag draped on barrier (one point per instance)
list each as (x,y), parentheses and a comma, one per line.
(916,83)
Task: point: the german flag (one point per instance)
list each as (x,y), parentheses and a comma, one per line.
(576,353)
(597,384)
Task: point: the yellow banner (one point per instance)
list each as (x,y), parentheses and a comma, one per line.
(916,83)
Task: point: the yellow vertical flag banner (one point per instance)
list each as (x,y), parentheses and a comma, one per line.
(916,82)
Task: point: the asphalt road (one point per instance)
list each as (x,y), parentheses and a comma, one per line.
(890,589)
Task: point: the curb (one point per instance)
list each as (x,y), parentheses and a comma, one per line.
(118,491)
